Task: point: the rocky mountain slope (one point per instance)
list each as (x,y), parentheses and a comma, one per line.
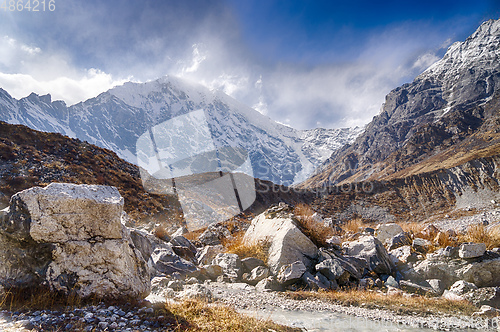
(117,118)
(31,158)
(447,116)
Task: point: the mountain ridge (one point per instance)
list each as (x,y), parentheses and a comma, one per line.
(116,118)
(442,114)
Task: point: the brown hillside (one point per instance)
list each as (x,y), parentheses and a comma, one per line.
(32,158)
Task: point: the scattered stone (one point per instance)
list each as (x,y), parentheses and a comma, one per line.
(485,296)
(421,245)
(251,263)
(207,254)
(230,263)
(291,273)
(481,272)
(461,287)
(268,284)
(413,288)
(471,250)
(391,282)
(373,252)
(257,274)
(330,268)
(196,291)
(436,285)
(487,311)
(385,232)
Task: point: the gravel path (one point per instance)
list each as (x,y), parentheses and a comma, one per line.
(245,298)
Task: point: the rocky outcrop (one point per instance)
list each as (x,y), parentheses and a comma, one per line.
(371,250)
(287,244)
(482,271)
(70,238)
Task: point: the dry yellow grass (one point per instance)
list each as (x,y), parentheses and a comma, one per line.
(316,231)
(397,303)
(480,234)
(200,316)
(258,250)
(353,225)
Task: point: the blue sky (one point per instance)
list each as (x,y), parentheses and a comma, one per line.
(303,63)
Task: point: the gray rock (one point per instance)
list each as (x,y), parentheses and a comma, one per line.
(400,240)
(180,232)
(471,250)
(487,311)
(421,245)
(385,232)
(214,234)
(257,274)
(436,285)
(166,261)
(207,254)
(485,296)
(213,271)
(314,283)
(291,273)
(373,252)
(461,287)
(287,243)
(481,272)
(196,291)
(413,288)
(70,237)
(230,263)
(251,263)
(268,284)
(391,282)
(330,268)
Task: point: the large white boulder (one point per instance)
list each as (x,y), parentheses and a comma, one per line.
(287,243)
(70,238)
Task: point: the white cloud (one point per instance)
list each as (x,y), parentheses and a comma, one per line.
(425,61)
(25,69)
(70,90)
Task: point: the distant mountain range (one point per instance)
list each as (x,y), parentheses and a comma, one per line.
(117,118)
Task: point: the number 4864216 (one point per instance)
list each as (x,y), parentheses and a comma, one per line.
(28,5)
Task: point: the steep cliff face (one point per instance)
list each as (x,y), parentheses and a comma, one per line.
(472,185)
(447,116)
